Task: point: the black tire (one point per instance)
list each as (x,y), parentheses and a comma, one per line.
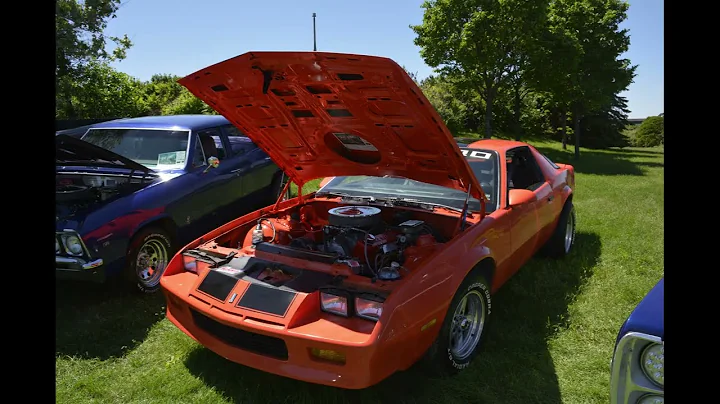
(154,247)
(563,238)
(441,358)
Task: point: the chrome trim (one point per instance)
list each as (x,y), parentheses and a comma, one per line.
(627,381)
(80,263)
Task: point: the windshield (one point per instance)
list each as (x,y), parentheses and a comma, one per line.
(155,149)
(483,163)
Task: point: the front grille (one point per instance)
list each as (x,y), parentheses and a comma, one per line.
(246,340)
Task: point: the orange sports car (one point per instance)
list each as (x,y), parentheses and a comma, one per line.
(395,259)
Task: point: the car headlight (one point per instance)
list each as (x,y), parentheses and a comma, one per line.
(189,263)
(335,304)
(651,399)
(73,245)
(652,362)
(57,246)
(368,308)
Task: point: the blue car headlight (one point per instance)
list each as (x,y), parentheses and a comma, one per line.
(652,363)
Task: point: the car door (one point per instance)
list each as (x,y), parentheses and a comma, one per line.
(255,168)
(225,179)
(525,223)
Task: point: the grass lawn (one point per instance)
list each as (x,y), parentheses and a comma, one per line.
(550,339)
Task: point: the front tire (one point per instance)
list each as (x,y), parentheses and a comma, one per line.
(462,331)
(149,254)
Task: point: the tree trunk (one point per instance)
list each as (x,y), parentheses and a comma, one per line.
(563,128)
(576,131)
(488,115)
(516,113)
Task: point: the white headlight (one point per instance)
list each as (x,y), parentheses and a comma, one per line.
(73,245)
(652,362)
(651,399)
(334,304)
(369,309)
(57,246)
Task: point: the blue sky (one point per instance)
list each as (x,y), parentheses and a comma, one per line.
(182,36)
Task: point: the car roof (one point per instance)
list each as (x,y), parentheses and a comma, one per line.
(499,145)
(186,122)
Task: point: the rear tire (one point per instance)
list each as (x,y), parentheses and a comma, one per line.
(563,238)
(148,256)
(462,331)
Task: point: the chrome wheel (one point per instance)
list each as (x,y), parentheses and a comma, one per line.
(151,261)
(570,231)
(467,325)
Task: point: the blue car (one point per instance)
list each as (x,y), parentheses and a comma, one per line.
(130,192)
(638,368)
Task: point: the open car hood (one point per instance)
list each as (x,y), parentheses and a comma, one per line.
(70,151)
(320,114)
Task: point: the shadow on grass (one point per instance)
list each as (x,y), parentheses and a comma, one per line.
(637,151)
(606,162)
(102,321)
(514,365)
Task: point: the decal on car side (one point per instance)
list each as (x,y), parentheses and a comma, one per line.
(476,154)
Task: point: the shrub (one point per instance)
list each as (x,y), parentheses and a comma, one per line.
(651,132)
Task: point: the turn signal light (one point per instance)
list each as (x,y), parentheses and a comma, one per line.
(328,355)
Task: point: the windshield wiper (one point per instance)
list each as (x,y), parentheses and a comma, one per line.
(419,204)
(345,196)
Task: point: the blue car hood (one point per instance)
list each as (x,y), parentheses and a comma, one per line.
(648,315)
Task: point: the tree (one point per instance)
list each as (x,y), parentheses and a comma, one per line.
(79,40)
(161,91)
(187,103)
(583,44)
(103,92)
(605,128)
(479,40)
(441,93)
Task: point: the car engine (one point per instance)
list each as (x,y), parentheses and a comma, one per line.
(78,191)
(362,240)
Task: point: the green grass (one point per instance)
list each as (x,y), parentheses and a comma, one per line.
(550,341)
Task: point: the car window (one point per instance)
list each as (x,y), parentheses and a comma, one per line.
(212,148)
(198,154)
(484,164)
(153,148)
(555,166)
(523,171)
(239,143)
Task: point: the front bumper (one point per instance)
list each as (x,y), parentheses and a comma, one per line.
(75,268)
(274,348)
(81,267)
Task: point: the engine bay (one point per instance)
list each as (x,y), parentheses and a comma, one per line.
(77,191)
(376,242)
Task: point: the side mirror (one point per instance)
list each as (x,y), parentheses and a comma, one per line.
(518,197)
(213,162)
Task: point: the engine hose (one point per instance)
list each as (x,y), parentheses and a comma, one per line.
(272,226)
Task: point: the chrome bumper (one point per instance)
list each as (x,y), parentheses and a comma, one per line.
(628,384)
(76,264)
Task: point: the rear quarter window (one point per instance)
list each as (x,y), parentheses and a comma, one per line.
(555,166)
(239,143)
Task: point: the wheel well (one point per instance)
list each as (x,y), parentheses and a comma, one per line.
(569,198)
(164,223)
(485,268)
